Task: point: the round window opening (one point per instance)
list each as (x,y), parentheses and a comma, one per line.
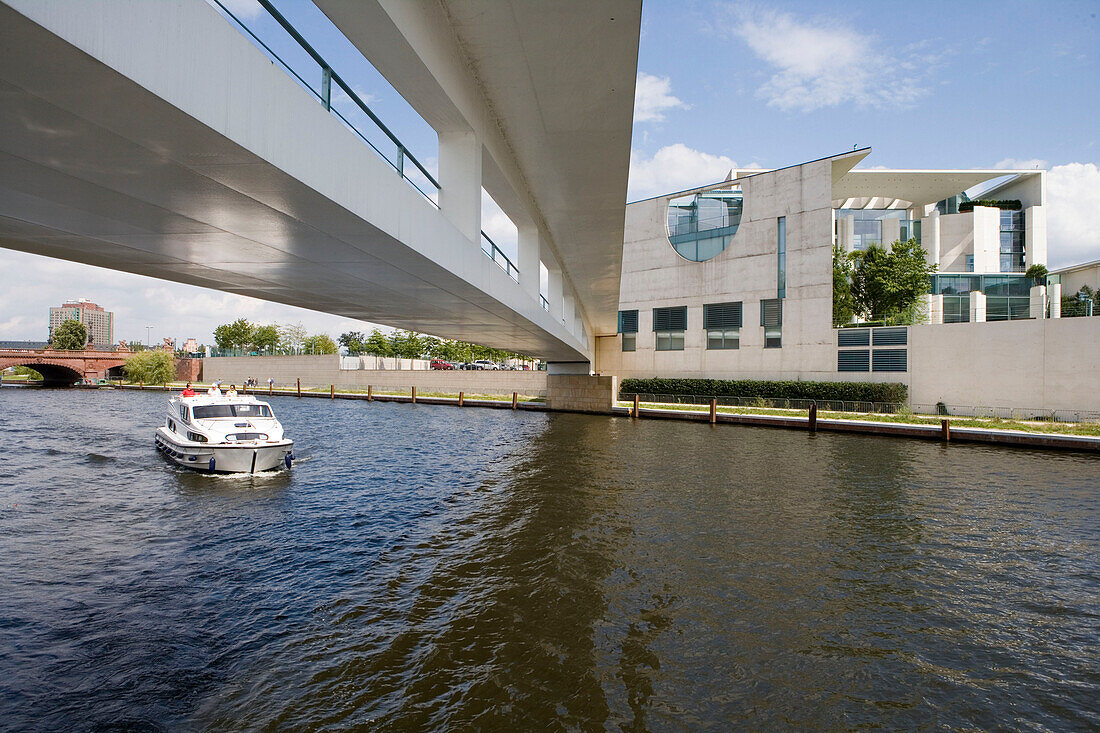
(702,225)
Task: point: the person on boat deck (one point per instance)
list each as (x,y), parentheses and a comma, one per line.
(214,390)
(232,393)
(187,391)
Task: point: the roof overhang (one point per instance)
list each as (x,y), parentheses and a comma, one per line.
(917,187)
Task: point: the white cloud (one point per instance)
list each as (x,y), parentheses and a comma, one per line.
(653,97)
(1018,164)
(1073,198)
(825,64)
(675,168)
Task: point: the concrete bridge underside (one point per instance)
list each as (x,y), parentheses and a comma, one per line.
(153,138)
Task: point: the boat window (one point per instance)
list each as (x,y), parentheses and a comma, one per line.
(247,436)
(183,412)
(252,411)
(208,411)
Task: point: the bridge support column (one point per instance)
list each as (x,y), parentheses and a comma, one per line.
(570,312)
(527,259)
(570,388)
(460,182)
(554,284)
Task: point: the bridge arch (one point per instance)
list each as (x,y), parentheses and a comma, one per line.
(54,374)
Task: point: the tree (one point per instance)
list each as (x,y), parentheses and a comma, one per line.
(151,367)
(291,338)
(320,343)
(28,373)
(235,335)
(1038,273)
(352,341)
(265,338)
(844,307)
(406,345)
(377,344)
(888,285)
(70,335)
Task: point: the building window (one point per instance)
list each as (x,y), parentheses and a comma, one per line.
(781,240)
(628,327)
(771,318)
(669,325)
(1012,241)
(722,322)
(702,225)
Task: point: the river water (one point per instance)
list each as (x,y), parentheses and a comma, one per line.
(430,568)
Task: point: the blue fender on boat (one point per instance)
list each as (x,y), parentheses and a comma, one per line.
(211,465)
(288,459)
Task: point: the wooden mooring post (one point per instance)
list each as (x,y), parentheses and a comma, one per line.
(299,387)
(634,412)
(370,393)
(515,399)
(414,395)
(460,396)
(945,430)
(270,387)
(813,418)
(713,410)
(141,384)
(332,391)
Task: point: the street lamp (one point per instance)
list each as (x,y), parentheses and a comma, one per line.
(148,329)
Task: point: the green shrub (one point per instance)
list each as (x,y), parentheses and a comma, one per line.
(151,367)
(1009,204)
(891,392)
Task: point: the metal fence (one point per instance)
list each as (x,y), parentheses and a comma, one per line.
(879,408)
(772,403)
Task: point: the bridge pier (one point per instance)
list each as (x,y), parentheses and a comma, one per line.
(570,387)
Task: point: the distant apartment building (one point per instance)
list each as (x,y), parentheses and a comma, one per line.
(100,323)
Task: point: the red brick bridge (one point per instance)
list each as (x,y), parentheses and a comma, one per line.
(65,367)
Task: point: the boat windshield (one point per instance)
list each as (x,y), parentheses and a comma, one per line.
(208,411)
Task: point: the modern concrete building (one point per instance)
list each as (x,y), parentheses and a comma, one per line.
(99,322)
(1075,277)
(734,280)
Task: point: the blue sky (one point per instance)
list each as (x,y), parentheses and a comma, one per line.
(724,84)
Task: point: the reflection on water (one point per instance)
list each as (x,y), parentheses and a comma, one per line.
(432,568)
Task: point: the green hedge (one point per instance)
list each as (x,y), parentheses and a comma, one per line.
(821,391)
(1010,204)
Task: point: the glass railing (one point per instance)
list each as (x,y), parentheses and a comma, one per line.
(415,174)
(493,252)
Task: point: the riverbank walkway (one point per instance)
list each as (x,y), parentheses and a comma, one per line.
(945,431)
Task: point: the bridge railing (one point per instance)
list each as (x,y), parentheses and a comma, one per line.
(496,254)
(416,175)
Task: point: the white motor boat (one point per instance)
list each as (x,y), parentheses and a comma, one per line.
(223,435)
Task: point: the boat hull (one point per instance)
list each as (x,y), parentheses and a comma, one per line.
(249,457)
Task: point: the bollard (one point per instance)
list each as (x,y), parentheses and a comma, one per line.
(713,410)
(370,393)
(332,391)
(460,398)
(515,400)
(414,395)
(141,384)
(813,418)
(299,388)
(945,430)
(635,413)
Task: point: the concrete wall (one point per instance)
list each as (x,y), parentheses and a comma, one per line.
(321,371)
(1045,364)
(654,275)
(956,241)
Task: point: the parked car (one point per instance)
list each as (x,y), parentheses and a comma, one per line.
(485,365)
(440,364)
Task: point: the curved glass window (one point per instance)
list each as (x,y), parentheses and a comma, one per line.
(702,225)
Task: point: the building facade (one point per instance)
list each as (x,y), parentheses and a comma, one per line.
(734,280)
(99,322)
